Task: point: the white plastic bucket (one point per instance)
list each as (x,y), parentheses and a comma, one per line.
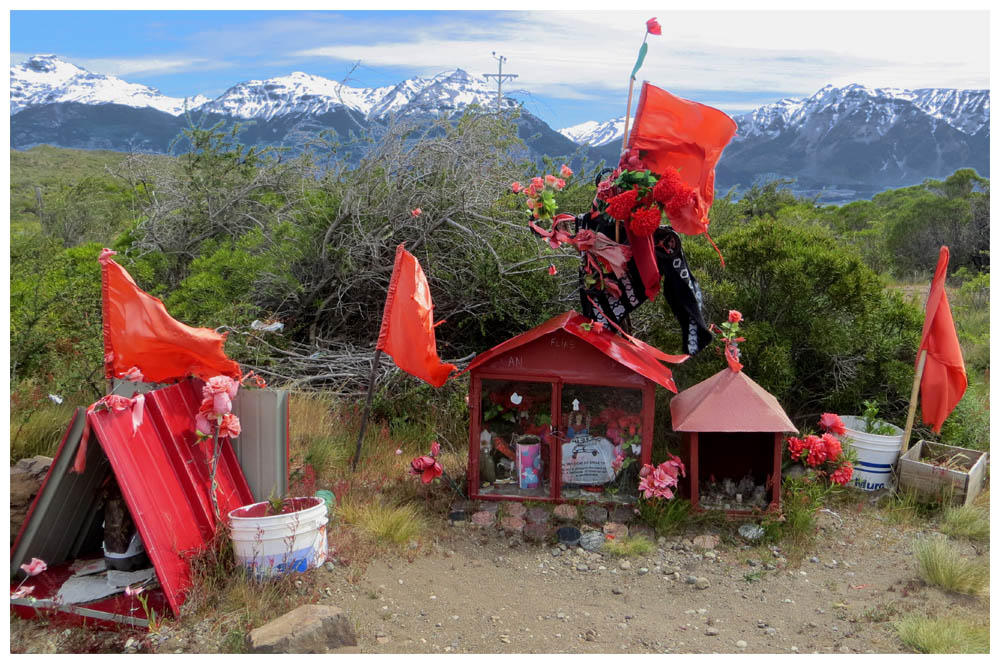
(293,541)
(876,455)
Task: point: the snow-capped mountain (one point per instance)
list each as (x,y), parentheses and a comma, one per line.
(47,79)
(595,133)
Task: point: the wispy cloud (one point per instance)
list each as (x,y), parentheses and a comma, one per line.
(149,65)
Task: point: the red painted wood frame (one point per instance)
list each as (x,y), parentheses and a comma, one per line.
(690,446)
(647,387)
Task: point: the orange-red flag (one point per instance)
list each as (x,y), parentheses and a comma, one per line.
(138,332)
(688,136)
(407,332)
(944,380)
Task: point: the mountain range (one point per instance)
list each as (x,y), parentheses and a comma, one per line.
(841,143)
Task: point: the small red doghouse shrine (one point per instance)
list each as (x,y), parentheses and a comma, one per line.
(732,431)
(562,412)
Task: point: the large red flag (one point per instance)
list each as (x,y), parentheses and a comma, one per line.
(138,332)
(944,380)
(407,332)
(688,136)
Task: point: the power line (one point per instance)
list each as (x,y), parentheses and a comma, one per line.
(500,77)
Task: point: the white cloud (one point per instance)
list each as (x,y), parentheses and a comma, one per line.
(147,65)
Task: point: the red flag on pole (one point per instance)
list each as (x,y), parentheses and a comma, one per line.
(138,332)
(944,380)
(407,332)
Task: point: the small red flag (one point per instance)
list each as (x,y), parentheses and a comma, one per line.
(138,332)
(407,332)
(688,136)
(944,380)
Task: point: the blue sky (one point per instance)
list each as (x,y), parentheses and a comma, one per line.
(571,66)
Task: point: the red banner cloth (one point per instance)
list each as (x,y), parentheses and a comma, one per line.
(138,332)
(944,380)
(689,136)
(407,332)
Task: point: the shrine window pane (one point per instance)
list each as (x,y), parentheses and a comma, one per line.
(602,443)
(515,441)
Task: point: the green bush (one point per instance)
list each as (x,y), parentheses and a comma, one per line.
(822,333)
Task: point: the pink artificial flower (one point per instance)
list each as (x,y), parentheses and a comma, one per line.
(132,592)
(646,470)
(565,171)
(22,591)
(530,203)
(399,451)
(515,187)
(202,425)
(133,374)
(735,316)
(416,212)
(35,567)
(427,468)
(617,463)
(537,183)
(598,326)
(552,270)
(222,389)
(229,427)
(832,423)
(550,180)
(435,448)
(560,184)
(653,27)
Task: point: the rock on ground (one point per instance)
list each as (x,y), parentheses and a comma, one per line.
(309,629)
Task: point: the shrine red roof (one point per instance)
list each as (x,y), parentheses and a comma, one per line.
(617,348)
(729,401)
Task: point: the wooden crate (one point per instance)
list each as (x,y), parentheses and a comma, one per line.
(929,479)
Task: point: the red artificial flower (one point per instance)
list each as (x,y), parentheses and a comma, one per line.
(515,187)
(735,316)
(817,450)
(550,180)
(427,468)
(682,202)
(833,448)
(605,189)
(653,27)
(435,448)
(644,222)
(229,427)
(552,270)
(530,203)
(538,183)
(832,423)
(843,474)
(795,447)
(416,212)
(560,183)
(565,171)
(620,207)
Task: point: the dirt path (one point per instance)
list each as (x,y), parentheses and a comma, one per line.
(477,591)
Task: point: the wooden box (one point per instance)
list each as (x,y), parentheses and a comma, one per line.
(943,471)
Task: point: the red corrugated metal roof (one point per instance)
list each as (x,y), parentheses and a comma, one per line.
(164,476)
(729,401)
(607,342)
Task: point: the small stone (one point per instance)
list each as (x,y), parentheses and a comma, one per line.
(515,509)
(556,552)
(581,567)
(741,644)
(691,579)
(642,571)
(595,514)
(538,515)
(484,518)
(711,631)
(329,567)
(592,541)
(770,567)
(625,564)
(750,532)
(616,530)
(706,541)
(770,631)
(702,583)
(813,559)
(621,514)
(566,512)
(311,628)
(514,524)
(489,506)
(710,555)
(536,532)
(617,591)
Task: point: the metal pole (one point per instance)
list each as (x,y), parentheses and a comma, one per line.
(368,406)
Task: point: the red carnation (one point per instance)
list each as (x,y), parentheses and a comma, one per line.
(668,186)
(843,474)
(644,222)
(831,422)
(653,27)
(833,448)
(620,207)
(795,447)
(682,201)
(735,316)
(817,450)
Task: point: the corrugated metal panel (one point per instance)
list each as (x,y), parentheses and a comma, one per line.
(262,446)
(164,475)
(65,504)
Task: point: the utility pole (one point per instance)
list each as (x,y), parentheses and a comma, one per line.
(500,76)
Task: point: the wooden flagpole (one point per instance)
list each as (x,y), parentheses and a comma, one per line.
(368,406)
(913,402)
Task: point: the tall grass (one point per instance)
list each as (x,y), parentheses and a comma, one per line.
(970,522)
(38,431)
(665,516)
(633,545)
(940,564)
(945,635)
(381,522)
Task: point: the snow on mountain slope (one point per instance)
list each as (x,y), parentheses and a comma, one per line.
(47,79)
(595,133)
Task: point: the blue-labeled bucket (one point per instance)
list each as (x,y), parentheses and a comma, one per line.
(276,544)
(876,455)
